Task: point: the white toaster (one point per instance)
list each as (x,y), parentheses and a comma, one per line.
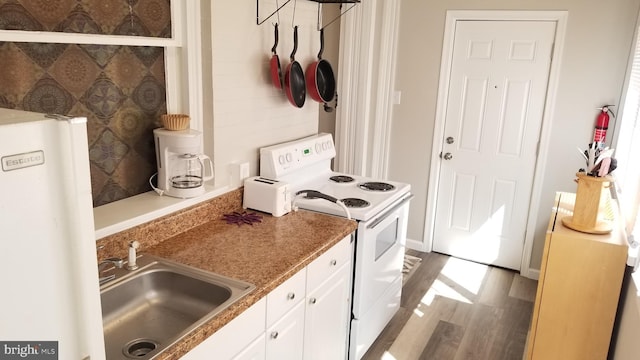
(270,196)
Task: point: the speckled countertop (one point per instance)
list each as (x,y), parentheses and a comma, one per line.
(265,254)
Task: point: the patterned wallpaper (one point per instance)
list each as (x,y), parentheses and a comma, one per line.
(120,89)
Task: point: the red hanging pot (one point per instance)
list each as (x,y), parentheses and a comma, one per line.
(321,82)
(276,70)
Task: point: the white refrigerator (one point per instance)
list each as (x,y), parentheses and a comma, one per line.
(49,297)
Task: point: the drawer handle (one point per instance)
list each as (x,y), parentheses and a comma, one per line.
(312,301)
(334,262)
(291,296)
(274,335)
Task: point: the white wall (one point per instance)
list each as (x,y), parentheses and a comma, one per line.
(596,50)
(248,112)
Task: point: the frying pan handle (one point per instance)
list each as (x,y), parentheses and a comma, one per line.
(295,44)
(273,49)
(321,44)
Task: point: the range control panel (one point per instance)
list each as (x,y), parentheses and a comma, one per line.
(282,159)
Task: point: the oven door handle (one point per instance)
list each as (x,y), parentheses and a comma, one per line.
(381,218)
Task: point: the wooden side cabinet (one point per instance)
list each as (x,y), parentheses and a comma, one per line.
(578,289)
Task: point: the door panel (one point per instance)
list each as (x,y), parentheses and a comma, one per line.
(463,201)
(474,101)
(497,88)
(513,119)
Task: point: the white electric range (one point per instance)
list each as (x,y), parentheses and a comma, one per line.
(381,209)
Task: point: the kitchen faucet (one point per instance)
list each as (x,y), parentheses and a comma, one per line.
(116,262)
(133,247)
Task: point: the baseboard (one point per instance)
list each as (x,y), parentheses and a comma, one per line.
(416,245)
(533,274)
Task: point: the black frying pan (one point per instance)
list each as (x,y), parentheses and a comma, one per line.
(321,82)
(294,82)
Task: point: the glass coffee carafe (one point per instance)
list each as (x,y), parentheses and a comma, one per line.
(188,170)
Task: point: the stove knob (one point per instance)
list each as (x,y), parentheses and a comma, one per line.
(289,157)
(281,159)
(318,148)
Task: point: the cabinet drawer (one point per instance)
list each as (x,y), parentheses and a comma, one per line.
(285,297)
(328,263)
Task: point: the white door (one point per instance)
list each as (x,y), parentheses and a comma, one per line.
(497,88)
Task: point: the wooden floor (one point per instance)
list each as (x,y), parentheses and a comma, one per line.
(459,310)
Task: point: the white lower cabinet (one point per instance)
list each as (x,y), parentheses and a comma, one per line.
(306,317)
(285,338)
(327,316)
(285,319)
(234,337)
(255,351)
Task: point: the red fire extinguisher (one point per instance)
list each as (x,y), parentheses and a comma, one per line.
(602,124)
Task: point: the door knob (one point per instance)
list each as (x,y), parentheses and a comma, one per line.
(447,156)
(449,140)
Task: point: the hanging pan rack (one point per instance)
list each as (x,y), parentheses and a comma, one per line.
(320,2)
(260,22)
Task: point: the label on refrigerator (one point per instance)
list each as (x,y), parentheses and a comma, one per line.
(20,161)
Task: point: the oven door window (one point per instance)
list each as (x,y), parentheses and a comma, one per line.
(386,238)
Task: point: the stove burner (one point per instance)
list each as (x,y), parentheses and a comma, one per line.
(355,203)
(342,179)
(376,186)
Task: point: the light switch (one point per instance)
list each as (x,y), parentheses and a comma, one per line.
(397,96)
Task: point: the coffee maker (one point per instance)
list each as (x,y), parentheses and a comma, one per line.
(182,167)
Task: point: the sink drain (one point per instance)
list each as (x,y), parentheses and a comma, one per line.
(139,348)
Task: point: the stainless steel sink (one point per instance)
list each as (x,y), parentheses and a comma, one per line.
(147,310)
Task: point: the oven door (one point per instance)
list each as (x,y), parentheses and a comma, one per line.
(380,247)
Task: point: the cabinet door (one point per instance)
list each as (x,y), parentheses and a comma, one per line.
(285,338)
(230,340)
(255,351)
(327,317)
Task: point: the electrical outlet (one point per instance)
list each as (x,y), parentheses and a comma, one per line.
(244,171)
(238,172)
